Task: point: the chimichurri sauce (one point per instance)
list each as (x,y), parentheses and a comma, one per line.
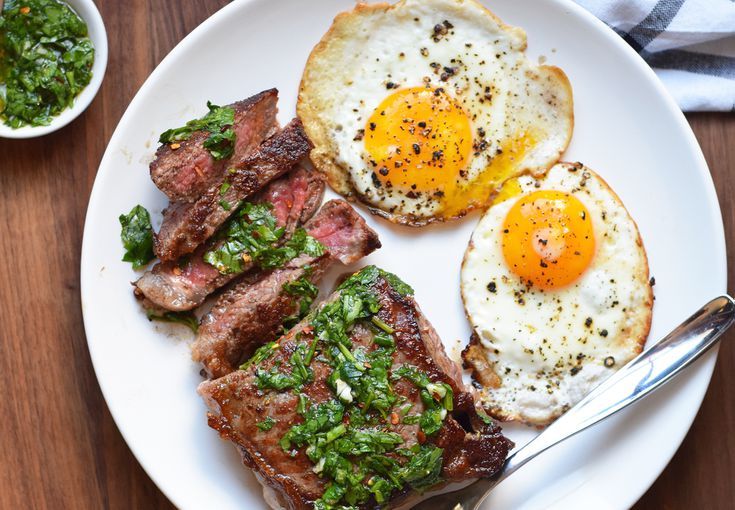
(46,60)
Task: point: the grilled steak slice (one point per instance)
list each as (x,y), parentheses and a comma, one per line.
(253,312)
(185,284)
(328,430)
(184,173)
(187,225)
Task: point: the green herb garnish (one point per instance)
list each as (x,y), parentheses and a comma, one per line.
(348,438)
(137,236)
(484,416)
(305,292)
(438,398)
(370,274)
(45,60)
(261,354)
(187,319)
(254,232)
(217,122)
(277,380)
(424,467)
(266,424)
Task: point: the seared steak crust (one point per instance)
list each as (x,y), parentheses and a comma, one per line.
(187,225)
(471,448)
(185,284)
(252,313)
(186,172)
(236,405)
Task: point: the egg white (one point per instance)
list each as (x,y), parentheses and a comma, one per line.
(375,49)
(549,348)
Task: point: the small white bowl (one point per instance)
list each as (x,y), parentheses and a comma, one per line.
(91,16)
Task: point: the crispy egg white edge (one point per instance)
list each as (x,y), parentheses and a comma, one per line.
(330,93)
(504,325)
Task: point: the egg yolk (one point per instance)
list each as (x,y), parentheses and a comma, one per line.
(547,238)
(419,139)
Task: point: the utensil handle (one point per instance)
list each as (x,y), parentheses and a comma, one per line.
(649,370)
(638,378)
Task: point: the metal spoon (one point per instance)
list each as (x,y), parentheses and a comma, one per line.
(649,370)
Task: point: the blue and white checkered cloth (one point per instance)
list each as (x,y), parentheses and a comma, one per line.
(689,43)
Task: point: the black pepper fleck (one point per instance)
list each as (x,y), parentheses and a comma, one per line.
(375,179)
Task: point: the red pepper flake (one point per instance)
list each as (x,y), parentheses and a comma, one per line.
(421,436)
(394,418)
(25,10)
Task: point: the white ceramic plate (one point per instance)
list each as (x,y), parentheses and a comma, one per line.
(627,128)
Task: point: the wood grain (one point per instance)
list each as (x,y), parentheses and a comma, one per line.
(59,445)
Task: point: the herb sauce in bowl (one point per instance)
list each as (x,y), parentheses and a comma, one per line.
(46,60)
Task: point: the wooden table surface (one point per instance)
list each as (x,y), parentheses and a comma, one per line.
(59,447)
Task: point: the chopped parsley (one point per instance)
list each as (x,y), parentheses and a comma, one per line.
(187,319)
(276,380)
(261,354)
(437,398)
(254,234)
(266,424)
(348,437)
(46,60)
(370,274)
(137,236)
(306,292)
(217,122)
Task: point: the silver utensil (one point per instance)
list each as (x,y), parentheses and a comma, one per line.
(648,371)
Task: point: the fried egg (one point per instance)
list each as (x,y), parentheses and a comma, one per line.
(556,287)
(423,108)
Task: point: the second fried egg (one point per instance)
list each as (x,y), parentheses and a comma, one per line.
(555,284)
(422,109)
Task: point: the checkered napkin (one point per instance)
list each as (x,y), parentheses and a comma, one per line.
(689,43)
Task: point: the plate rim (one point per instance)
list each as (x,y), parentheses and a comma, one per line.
(604,31)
